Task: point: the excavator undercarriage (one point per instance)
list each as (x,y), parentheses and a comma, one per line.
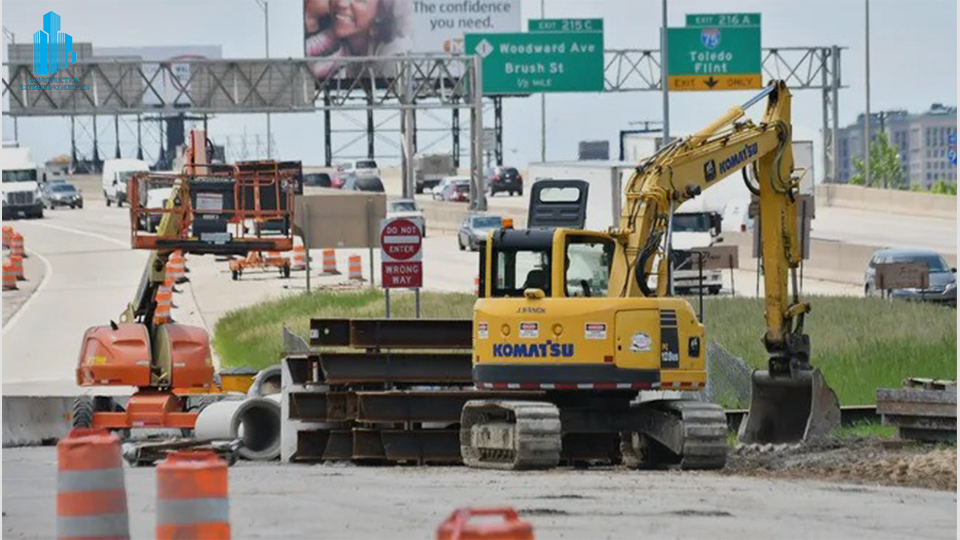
(519,435)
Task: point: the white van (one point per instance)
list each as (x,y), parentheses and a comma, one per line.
(116,172)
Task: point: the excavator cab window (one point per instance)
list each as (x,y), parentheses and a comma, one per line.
(588,260)
(515,270)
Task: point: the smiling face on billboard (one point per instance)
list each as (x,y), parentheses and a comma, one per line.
(336,29)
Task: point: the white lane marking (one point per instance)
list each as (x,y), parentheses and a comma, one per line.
(49,269)
(47,274)
(85,233)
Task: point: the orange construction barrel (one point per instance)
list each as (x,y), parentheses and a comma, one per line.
(16,264)
(458,525)
(91,496)
(7,236)
(192,496)
(9,277)
(330,262)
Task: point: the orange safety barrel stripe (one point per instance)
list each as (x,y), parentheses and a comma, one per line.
(192,483)
(208,531)
(84,503)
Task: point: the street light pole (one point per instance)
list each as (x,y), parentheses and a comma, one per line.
(866,116)
(664,85)
(543,113)
(266,47)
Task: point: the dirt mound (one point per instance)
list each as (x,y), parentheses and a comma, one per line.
(859,460)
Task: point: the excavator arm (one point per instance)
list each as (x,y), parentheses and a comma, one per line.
(791,401)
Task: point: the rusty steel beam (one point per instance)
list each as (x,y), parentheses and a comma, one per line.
(323,406)
(422,445)
(392,333)
(392,367)
(324,445)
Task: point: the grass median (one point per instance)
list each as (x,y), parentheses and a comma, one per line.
(861,344)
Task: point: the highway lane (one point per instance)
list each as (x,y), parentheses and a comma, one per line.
(93,274)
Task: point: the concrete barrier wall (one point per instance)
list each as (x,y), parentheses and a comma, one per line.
(447,217)
(830,260)
(887,200)
(34,420)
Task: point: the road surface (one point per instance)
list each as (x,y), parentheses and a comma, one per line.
(341,501)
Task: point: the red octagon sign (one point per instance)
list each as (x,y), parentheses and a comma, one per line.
(401,240)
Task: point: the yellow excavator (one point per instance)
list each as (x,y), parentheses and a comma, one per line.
(572,314)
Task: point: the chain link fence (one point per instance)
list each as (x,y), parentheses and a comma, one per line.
(728,379)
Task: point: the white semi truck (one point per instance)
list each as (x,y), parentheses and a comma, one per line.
(21,182)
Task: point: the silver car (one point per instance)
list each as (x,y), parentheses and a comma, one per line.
(942,287)
(474,229)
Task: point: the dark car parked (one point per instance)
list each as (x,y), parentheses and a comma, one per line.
(505,179)
(54,194)
(317,180)
(362,183)
(942,283)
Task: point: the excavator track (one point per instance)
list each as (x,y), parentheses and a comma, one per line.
(510,435)
(688,434)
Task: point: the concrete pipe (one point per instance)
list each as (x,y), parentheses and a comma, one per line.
(266,382)
(256,421)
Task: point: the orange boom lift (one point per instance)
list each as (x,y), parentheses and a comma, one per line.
(210,210)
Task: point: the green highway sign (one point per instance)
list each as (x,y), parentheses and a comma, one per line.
(713,58)
(523,63)
(718,20)
(565,25)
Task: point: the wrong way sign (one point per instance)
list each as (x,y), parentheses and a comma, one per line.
(401,253)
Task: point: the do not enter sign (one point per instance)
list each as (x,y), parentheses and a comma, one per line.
(401,253)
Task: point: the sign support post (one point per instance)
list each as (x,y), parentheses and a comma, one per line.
(306,241)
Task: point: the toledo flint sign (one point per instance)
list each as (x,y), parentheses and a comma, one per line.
(715,52)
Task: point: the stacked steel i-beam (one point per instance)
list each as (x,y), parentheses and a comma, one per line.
(376,390)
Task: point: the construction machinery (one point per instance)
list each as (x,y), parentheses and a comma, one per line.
(573,313)
(211,209)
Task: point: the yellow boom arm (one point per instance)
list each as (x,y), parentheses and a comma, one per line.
(685,168)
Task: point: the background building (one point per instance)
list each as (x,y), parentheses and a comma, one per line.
(922,140)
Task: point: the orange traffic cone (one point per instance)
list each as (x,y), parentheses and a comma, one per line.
(193,496)
(91,495)
(511,528)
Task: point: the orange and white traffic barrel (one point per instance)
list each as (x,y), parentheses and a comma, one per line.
(355,268)
(16,244)
(91,495)
(7,236)
(476,286)
(330,262)
(176,267)
(164,306)
(16,264)
(458,525)
(193,496)
(9,277)
(299,258)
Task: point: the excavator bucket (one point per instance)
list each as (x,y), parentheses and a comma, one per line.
(790,409)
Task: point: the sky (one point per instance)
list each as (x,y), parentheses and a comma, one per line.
(913,64)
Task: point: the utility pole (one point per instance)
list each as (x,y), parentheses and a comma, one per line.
(664,86)
(543,113)
(866,116)
(266,46)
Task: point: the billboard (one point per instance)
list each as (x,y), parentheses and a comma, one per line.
(335,29)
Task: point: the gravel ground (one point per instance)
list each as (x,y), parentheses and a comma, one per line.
(343,501)
(866,461)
